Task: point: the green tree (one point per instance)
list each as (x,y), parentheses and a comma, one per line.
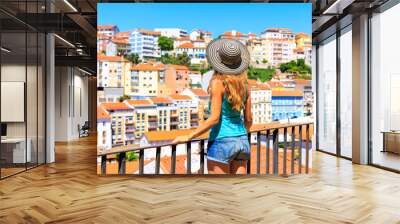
(295,67)
(134,58)
(165,43)
(183,59)
(180,59)
(261,74)
(264,61)
(124,97)
(130,156)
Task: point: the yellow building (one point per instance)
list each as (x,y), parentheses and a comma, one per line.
(145,79)
(184,105)
(304,47)
(144,116)
(112,71)
(122,123)
(164,108)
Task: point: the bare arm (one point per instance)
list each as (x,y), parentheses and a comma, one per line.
(248,116)
(217,92)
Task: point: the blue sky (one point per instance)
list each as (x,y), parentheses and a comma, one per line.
(214,17)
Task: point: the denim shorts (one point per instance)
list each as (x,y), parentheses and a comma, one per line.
(224,150)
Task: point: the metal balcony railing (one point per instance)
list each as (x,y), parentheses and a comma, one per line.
(280,155)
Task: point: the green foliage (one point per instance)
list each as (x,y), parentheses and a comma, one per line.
(180,59)
(134,58)
(124,97)
(281,145)
(264,61)
(296,67)
(202,68)
(261,74)
(166,43)
(132,156)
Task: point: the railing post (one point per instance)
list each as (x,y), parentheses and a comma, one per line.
(249,161)
(201,157)
(103,165)
(158,161)
(284,150)
(300,146)
(307,146)
(122,163)
(258,152)
(141,162)
(267,148)
(173,159)
(189,158)
(293,149)
(275,152)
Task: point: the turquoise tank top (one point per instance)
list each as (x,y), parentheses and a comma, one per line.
(231,122)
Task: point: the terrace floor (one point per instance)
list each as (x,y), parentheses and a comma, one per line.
(69,191)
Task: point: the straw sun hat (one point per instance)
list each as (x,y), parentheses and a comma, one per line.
(228,56)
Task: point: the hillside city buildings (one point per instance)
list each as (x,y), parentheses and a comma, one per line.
(135,99)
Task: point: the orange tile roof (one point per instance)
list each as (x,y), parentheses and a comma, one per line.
(160,100)
(122,35)
(287,93)
(178,67)
(180,164)
(182,38)
(251,82)
(149,32)
(111,58)
(180,97)
(102,113)
(302,81)
(147,67)
(156,136)
(274,84)
(230,34)
(186,45)
(138,102)
(120,41)
(115,106)
(199,92)
(254,84)
(106,27)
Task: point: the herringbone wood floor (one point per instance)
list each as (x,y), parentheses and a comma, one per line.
(69,191)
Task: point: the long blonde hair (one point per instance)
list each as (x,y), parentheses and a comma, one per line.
(235,88)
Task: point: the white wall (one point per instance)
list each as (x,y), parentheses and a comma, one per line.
(71,102)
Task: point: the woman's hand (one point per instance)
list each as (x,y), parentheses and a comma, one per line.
(181,139)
